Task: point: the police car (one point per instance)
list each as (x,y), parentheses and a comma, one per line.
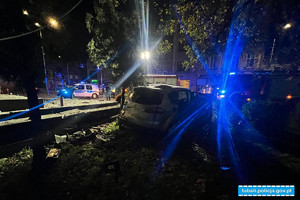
(86,91)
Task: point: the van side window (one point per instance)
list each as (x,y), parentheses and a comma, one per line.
(182,96)
(88,87)
(147,97)
(80,87)
(179,96)
(189,96)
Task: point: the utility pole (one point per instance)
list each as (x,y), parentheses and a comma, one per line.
(101,79)
(44,62)
(272,51)
(68,73)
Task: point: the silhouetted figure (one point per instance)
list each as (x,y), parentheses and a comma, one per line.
(107,93)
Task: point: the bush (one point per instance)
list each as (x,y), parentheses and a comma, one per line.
(268,117)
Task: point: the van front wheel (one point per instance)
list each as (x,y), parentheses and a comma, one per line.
(94,96)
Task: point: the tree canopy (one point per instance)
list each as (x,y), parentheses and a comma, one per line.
(210,24)
(114,28)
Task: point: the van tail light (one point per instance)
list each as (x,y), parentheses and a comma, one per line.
(155,110)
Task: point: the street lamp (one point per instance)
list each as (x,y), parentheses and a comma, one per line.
(25,12)
(37,24)
(145,55)
(285,27)
(54,24)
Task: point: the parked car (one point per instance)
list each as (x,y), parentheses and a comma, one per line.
(155,107)
(86,91)
(66,91)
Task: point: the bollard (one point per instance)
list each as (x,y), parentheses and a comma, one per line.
(61,101)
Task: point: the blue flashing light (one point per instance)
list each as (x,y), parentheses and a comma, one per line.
(221,96)
(223,91)
(232,73)
(66,92)
(224,168)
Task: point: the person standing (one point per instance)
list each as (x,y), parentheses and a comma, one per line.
(107,93)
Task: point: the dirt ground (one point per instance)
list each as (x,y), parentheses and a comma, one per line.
(7,96)
(56,102)
(104,162)
(74,102)
(113,164)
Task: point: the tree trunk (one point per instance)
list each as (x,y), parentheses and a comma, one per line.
(32,99)
(39,153)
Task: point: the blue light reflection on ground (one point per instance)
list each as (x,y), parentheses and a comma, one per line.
(179,130)
(172,146)
(227,154)
(173,130)
(224,168)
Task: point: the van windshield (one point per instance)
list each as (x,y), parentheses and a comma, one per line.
(147,96)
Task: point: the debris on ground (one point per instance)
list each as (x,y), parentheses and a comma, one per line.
(53,153)
(103,162)
(101,137)
(60,138)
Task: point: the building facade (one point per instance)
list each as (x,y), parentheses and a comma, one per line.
(103,76)
(69,73)
(198,77)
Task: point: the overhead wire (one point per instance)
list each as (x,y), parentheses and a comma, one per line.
(30,32)
(21,35)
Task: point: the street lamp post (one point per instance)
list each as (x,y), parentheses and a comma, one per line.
(272,51)
(285,27)
(54,24)
(44,62)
